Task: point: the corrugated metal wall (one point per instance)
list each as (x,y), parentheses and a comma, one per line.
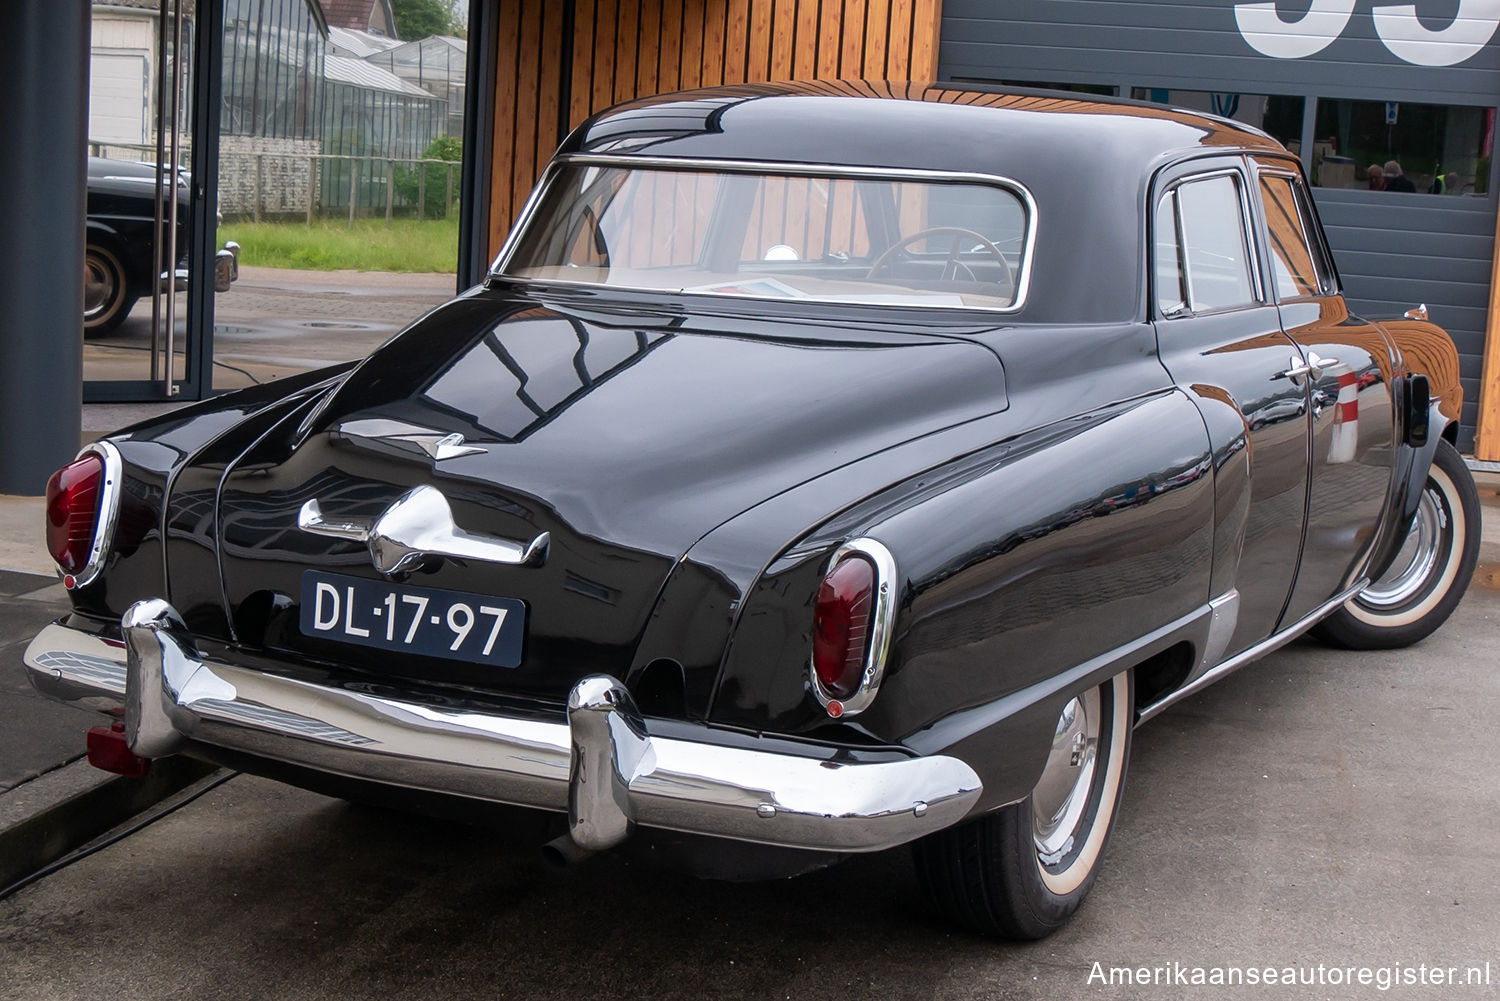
(586,55)
(1393,251)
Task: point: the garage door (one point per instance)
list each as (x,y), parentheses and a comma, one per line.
(117,97)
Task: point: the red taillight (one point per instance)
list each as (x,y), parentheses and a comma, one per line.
(73,511)
(841,628)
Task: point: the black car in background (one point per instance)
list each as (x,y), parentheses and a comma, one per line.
(118,260)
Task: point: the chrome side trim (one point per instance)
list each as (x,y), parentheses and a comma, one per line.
(1023,279)
(1260,649)
(1224,614)
(109,512)
(600,764)
(417,525)
(882,623)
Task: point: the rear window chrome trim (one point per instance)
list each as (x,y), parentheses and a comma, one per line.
(549,176)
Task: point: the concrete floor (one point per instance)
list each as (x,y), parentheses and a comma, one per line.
(1318,807)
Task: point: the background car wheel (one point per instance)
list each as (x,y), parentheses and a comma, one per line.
(1023,870)
(106,293)
(1428,577)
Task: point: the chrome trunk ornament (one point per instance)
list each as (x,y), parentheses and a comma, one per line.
(417,526)
(434,444)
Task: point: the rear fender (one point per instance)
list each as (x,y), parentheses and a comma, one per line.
(1026,572)
(1428,355)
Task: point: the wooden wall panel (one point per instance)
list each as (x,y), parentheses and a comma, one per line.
(1487,443)
(550,79)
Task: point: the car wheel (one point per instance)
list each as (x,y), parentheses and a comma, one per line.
(106,293)
(1428,577)
(1023,870)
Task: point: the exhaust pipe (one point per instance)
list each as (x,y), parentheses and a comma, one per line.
(563,852)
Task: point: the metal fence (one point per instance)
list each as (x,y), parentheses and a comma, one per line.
(286,184)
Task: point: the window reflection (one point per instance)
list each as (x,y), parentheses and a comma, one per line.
(1098,89)
(1211,219)
(1296,267)
(1402,147)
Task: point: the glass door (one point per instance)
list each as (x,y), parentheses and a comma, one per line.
(149,268)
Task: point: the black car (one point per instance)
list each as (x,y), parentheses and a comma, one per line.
(820,469)
(118,260)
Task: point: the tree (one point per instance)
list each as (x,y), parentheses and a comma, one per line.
(410,186)
(419,18)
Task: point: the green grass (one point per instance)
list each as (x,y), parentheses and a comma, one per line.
(331,245)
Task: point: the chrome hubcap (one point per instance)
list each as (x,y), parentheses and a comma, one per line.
(98,287)
(1412,567)
(1061,796)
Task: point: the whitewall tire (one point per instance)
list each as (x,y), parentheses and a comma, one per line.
(1428,577)
(1023,870)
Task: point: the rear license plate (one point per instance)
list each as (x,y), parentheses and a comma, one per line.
(477,628)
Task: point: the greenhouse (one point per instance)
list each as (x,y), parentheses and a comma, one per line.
(373,115)
(437,64)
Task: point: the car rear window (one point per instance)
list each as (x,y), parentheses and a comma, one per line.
(876,240)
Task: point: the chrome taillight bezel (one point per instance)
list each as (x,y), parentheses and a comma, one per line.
(108,515)
(882,623)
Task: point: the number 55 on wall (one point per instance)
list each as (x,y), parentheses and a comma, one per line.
(1396,24)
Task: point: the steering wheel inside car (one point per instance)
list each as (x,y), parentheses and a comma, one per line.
(952,261)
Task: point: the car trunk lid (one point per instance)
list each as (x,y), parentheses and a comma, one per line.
(622,439)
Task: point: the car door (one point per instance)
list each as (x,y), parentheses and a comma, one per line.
(1220,336)
(1348,376)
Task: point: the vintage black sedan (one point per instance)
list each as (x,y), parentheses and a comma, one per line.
(820,469)
(119,257)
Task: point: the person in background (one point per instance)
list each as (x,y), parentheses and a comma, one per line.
(1395,180)
(1376,176)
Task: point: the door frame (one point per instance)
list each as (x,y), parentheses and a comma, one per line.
(203,192)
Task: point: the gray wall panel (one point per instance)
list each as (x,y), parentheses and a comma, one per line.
(1416,265)
(1131,37)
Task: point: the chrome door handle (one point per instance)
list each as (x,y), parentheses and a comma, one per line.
(1317,366)
(418,525)
(1297,370)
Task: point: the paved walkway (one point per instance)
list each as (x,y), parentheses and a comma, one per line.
(276,321)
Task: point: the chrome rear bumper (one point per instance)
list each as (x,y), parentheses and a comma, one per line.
(601,766)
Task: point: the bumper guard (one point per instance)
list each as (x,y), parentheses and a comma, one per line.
(602,766)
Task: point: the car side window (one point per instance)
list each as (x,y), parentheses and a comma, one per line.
(1215,245)
(1171,280)
(1296,261)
